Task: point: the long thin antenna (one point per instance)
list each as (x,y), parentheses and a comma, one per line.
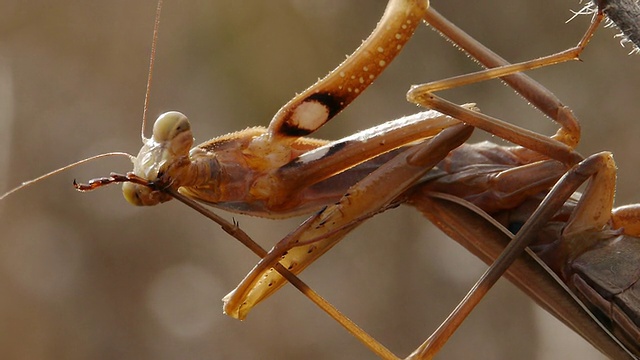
(64,168)
(152,59)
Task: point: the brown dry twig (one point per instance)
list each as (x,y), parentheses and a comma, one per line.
(625,14)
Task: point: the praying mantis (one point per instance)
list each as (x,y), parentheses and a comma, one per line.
(73,212)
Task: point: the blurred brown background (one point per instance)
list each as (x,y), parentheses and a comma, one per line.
(89,276)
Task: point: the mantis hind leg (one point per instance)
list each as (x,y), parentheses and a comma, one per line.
(599,170)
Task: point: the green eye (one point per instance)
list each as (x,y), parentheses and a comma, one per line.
(169,125)
(130,193)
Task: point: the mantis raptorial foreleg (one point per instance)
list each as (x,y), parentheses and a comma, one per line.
(237,300)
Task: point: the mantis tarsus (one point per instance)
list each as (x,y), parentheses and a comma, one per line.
(73,211)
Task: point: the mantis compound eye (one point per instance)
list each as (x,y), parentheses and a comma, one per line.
(141,195)
(172,139)
(132,195)
(170,125)
(172,133)
(138,195)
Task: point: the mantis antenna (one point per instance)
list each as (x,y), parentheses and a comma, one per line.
(27,183)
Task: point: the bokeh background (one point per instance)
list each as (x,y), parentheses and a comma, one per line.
(89,276)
